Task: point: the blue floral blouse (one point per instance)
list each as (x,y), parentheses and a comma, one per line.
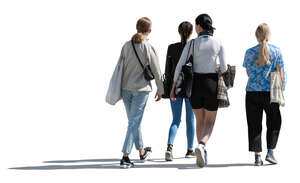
(259,77)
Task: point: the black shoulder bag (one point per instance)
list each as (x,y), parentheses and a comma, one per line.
(148,75)
(184,83)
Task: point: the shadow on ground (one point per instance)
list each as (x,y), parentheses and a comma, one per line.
(113,163)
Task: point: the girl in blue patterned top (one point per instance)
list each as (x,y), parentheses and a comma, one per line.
(259,62)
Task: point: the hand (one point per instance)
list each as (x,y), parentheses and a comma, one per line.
(172,95)
(157,97)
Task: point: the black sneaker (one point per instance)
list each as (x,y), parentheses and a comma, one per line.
(147,152)
(169,154)
(126,163)
(190,154)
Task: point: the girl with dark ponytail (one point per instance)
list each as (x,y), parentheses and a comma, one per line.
(174,51)
(185,30)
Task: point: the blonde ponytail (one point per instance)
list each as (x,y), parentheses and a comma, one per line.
(263,34)
(143,26)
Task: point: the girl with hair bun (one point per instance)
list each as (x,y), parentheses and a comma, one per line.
(206,50)
(135,88)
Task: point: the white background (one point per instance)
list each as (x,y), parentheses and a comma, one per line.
(56,60)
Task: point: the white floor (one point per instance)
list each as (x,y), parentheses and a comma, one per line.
(89,150)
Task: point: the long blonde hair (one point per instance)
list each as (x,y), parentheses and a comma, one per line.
(263,35)
(143,25)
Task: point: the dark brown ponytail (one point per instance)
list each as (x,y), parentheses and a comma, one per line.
(185,30)
(143,25)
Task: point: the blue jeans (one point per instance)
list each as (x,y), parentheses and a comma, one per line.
(135,102)
(176,107)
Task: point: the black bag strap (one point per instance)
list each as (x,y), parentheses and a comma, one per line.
(187,57)
(137,55)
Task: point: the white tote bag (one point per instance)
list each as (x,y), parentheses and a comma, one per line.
(113,94)
(276,92)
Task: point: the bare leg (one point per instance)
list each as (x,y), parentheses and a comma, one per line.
(125,154)
(209,122)
(142,151)
(199,114)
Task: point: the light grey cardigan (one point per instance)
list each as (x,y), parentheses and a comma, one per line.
(133,78)
(206,51)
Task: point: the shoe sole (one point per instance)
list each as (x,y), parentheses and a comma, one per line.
(199,158)
(125,166)
(271,161)
(259,164)
(147,155)
(168,156)
(189,156)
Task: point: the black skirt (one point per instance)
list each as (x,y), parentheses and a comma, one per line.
(204,92)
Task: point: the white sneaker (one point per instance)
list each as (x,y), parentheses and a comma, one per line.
(199,151)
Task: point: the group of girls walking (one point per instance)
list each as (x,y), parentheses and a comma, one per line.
(259,61)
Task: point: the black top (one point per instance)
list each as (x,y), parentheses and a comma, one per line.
(173,56)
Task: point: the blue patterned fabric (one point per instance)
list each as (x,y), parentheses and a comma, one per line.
(259,77)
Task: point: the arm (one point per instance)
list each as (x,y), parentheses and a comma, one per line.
(245,63)
(168,65)
(223,65)
(280,70)
(155,68)
(184,56)
(122,57)
(172,94)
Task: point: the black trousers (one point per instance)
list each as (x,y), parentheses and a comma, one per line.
(256,103)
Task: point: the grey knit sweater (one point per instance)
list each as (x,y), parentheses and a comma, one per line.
(133,78)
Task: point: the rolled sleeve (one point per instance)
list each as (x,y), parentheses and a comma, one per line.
(246,58)
(281,64)
(279,59)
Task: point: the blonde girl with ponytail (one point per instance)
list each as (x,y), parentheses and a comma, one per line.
(259,62)
(263,35)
